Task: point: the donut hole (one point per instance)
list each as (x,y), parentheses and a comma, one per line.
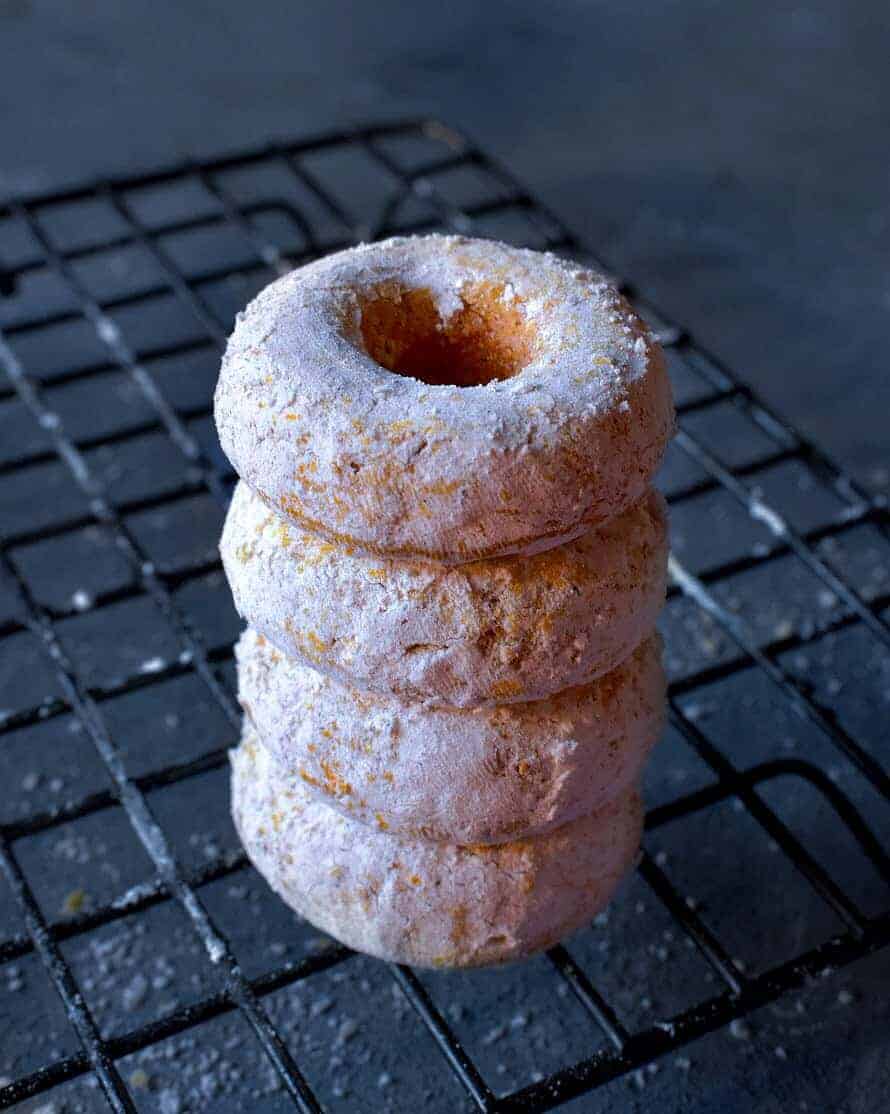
(485,339)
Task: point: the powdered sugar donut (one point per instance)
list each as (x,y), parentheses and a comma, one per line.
(445,398)
(487,632)
(482,776)
(428,904)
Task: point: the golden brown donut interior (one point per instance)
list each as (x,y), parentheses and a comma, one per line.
(487,338)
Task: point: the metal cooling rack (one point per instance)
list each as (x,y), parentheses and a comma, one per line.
(116,685)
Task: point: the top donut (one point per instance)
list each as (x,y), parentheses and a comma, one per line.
(444,398)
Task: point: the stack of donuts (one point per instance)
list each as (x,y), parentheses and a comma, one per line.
(451,561)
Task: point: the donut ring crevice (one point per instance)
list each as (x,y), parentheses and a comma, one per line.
(486,338)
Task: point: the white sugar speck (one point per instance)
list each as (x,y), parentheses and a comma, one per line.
(216,950)
(770,518)
(347,1031)
(783,629)
(135,992)
(81,600)
(108,331)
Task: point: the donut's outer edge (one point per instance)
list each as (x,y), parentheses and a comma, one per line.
(490,775)
(428,904)
(488,632)
(361,456)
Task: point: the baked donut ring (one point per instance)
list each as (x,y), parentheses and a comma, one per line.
(428,904)
(483,776)
(444,398)
(487,632)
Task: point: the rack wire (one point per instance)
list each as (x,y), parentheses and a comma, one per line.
(115,299)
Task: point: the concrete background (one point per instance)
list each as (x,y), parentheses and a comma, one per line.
(732,158)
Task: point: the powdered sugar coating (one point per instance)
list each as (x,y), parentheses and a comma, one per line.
(487,632)
(427,904)
(483,776)
(351,451)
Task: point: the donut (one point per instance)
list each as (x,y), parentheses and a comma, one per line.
(486,632)
(427,904)
(443,398)
(470,777)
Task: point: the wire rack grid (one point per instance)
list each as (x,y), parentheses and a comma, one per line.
(118,704)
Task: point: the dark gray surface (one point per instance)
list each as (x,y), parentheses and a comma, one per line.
(730,161)
(730,157)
